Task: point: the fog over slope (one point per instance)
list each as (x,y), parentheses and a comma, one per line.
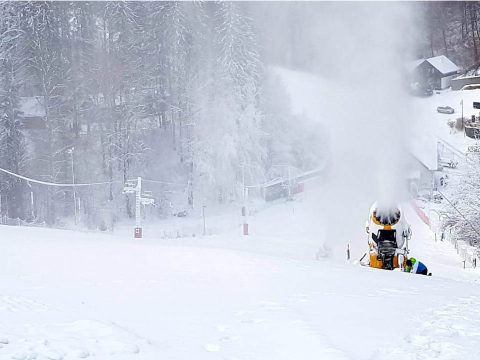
(357,52)
(177,93)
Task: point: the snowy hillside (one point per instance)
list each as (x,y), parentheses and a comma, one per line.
(190,121)
(284,292)
(67,295)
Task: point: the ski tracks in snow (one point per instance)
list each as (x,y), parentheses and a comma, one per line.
(19,304)
(272,330)
(73,340)
(33,338)
(450,332)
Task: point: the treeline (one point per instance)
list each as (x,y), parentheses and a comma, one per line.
(452,28)
(108,91)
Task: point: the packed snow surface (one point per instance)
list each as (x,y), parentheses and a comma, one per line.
(72,295)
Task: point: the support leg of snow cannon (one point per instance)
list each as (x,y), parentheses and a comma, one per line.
(364,263)
(399,262)
(400,259)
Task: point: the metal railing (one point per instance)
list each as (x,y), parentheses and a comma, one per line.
(470,254)
(5,220)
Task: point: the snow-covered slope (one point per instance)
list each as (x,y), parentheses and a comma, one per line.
(79,295)
(284,292)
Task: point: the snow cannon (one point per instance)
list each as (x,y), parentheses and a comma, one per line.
(388,235)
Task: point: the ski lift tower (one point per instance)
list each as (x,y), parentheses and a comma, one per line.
(141,198)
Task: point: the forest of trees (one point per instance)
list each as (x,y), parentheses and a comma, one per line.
(178,92)
(171,91)
(452,28)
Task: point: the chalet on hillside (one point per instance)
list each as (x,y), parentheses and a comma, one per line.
(436,72)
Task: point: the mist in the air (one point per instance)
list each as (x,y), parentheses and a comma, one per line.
(357,52)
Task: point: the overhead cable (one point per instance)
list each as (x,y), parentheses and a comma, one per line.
(55,184)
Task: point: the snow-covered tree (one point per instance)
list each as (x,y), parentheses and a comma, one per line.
(163,90)
(462,214)
(12,141)
(231,118)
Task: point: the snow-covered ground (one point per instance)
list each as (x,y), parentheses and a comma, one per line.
(429,121)
(284,292)
(70,295)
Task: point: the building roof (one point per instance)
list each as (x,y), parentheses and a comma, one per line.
(443,64)
(424,149)
(412,65)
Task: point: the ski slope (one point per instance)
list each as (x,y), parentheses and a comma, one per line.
(284,292)
(71,295)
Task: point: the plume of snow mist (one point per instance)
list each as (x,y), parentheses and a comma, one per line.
(351,57)
(369,125)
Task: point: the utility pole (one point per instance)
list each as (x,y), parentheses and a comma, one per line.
(245,211)
(461,103)
(32,208)
(289,183)
(73,182)
(463,123)
(138,209)
(204,223)
(245,203)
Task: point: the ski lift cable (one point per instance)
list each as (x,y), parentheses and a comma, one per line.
(163,182)
(30,180)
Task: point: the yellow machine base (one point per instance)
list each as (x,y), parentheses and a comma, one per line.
(375,263)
